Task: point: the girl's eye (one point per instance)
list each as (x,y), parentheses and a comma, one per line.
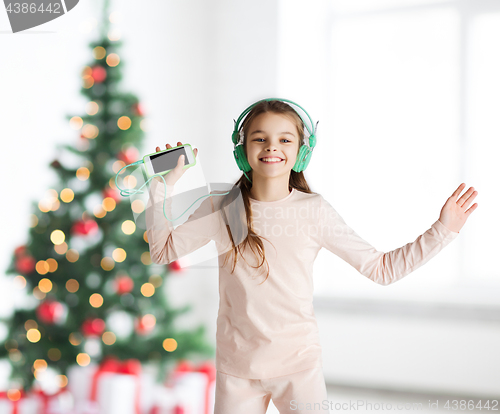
(282,139)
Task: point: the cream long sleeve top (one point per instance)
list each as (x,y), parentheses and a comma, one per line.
(269,329)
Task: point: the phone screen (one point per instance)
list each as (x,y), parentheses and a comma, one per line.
(167,160)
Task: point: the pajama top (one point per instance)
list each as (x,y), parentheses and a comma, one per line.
(269,329)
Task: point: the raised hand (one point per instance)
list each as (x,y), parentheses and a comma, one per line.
(453,214)
(174,175)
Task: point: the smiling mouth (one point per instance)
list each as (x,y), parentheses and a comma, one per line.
(272,160)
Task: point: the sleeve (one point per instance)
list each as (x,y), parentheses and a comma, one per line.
(382,268)
(166,243)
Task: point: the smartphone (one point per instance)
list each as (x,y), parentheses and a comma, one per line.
(163,161)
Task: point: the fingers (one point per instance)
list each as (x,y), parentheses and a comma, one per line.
(458,190)
(468,198)
(466,195)
(470,210)
(168,146)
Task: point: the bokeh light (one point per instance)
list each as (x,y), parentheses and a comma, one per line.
(76,122)
(33,335)
(45,285)
(170,344)
(42,267)
(96,300)
(99,52)
(112,60)
(119,255)
(83,359)
(82,173)
(128,227)
(61,248)
(108,204)
(147,289)
(109,338)
(72,255)
(107,263)
(72,285)
(90,131)
(67,195)
(57,237)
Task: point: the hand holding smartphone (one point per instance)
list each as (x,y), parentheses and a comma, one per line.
(173,162)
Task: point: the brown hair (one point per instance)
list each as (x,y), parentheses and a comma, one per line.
(297,181)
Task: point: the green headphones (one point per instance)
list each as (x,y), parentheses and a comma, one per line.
(305,152)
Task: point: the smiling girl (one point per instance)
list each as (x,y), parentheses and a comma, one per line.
(268,343)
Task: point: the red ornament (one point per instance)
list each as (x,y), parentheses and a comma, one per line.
(179,409)
(93,327)
(20,251)
(138,109)
(129,155)
(109,192)
(50,312)
(25,264)
(144,324)
(175,266)
(124,284)
(84,227)
(99,74)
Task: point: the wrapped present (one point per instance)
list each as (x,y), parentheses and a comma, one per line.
(194,386)
(176,409)
(166,401)
(116,386)
(111,387)
(80,382)
(20,403)
(60,402)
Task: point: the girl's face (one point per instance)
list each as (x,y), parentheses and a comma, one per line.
(274,137)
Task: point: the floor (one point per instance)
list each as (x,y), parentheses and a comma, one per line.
(341,398)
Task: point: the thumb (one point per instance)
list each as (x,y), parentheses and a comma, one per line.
(180,161)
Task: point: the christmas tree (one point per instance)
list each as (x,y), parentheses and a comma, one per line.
(91,288)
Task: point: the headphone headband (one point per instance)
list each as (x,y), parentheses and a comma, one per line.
(312,132)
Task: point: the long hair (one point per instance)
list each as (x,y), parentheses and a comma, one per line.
(297,181)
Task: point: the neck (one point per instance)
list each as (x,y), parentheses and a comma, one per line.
(269,189)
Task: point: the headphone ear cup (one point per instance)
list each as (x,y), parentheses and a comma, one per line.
(302,159)
(308,158)
(241,159)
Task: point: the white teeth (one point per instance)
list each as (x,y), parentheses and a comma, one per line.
(271,159)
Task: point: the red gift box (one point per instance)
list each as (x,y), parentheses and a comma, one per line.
(206,368)
(113,365)
(17,401)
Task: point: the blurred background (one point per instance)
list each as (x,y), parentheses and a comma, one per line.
(407,95)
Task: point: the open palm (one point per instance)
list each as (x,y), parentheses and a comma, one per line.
(453,214)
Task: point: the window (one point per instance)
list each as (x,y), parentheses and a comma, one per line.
(410,100)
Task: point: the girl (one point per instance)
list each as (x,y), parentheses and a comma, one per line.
(267,336)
